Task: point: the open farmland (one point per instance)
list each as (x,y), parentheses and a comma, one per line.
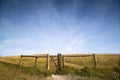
(107,68)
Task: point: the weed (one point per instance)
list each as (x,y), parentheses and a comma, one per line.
(66,70)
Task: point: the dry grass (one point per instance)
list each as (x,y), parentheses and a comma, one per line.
(103,60)
(107,67)
(10,69)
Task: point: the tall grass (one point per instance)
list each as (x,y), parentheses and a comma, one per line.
(10,69)
(108,68)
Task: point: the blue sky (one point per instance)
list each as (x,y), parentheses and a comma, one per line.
(59,26)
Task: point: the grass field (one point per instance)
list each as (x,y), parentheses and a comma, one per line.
(108,68)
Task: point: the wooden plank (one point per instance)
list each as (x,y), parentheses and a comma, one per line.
(45,56)
(77,55)
(41,56)
(55,60)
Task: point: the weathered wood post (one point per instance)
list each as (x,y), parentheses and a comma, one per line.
(48,62)
(94,59)
(63,60)
(35,61)
(60,61)
(20,60)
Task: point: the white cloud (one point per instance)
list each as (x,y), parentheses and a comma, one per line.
(47,29)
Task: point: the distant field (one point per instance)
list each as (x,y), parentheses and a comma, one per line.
(108,68)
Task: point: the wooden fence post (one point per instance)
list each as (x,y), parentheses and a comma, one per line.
(35,61)
(20,60)
(59,61)
(94,59)
(48,62)
(63,60)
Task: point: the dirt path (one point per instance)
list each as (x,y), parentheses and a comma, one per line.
(63,77)
(71,77)
(58,77)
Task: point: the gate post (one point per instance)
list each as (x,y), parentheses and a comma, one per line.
(63,60)
(60,61)
(48,62)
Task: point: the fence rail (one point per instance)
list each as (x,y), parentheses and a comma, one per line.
(41,56)
(77,55)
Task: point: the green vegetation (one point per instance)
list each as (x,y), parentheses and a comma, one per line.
(10,69)
(108,68)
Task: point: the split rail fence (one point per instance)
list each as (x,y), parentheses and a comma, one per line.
(60,59)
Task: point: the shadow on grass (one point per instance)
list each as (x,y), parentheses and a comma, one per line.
(6,64)
(26,70)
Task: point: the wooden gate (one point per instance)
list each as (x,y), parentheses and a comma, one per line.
(55,62)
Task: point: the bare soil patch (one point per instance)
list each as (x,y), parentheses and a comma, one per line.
(64,77)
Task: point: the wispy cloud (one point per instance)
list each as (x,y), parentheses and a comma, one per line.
(50,26)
